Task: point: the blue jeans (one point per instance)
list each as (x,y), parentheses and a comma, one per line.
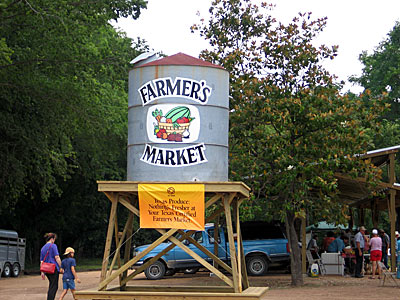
(385,258)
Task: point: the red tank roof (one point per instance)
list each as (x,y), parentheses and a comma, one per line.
(181,59)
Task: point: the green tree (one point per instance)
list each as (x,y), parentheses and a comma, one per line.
(381,74)
(63,90)
(290,128)
(381,71)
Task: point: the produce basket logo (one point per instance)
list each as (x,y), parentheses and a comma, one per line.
(173,123)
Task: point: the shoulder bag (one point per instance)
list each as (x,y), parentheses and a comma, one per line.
(46,267)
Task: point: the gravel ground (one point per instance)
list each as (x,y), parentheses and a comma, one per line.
(32,287)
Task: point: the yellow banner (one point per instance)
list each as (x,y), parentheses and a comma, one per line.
(178,206)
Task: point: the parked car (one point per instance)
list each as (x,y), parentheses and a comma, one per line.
(12,253)
(263,244)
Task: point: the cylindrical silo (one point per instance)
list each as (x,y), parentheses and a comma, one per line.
(178,120)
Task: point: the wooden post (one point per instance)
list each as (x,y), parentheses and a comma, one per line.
(375,213)
(107,248)
(238,244)
(229,200)
(392,179)
(116,231)
(361,217)
(241,259)
(393,229)
(232,250)
(128,245)
(303,246)
(216,237)
(351,221)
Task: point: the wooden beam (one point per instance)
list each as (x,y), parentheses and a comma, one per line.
(201,260)
(119,244)
(210,187)
(129,206)
(245,279)
(392,194)
(361,217)
(215,214)
(155,258)
(238,243)
(116,231)
(392,169)
(107,247)
(375,213)
(213,200)
(375,154)
(209,253)
(232,250)
(103,283)
(216,237)
(128,246)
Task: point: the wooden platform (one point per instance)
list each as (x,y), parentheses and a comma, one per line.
(222,199)
(172,293)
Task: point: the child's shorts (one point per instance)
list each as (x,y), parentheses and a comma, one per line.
(68,284)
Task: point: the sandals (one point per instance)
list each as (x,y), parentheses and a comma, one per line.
(371,277)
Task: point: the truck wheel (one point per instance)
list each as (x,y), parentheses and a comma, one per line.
(16,269)
(7,270)
(155,271)
(257,265)
(190,270)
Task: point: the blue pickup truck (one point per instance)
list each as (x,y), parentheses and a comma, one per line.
(263,244)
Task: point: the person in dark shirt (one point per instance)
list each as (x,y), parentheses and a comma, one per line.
(69,274)
(385,246)
(313,246)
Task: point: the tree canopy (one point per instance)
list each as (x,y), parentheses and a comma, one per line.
(290,128)
(63,89)
(381,71)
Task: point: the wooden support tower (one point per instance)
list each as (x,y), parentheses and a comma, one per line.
(224,198)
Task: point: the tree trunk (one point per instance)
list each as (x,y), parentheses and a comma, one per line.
(295,253)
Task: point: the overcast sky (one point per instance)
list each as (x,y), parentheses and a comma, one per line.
(353,25)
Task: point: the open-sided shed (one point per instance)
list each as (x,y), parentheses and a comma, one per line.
(358,194)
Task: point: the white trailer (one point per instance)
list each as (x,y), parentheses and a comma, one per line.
(12,253)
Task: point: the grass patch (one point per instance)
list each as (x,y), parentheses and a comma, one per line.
(88,264)
(82,264)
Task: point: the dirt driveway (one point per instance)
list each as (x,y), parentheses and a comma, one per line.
(32,287)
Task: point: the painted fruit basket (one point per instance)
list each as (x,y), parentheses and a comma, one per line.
(170,128)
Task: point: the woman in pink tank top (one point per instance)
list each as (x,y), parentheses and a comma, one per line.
(376,253)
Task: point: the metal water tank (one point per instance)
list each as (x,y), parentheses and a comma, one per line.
(178,120)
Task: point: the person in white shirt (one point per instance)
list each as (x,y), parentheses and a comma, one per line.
(359,251)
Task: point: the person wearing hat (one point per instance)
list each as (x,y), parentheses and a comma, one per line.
(376,253)
(69,274)
(359,251)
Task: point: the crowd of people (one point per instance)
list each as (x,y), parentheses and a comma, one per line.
(376,245)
